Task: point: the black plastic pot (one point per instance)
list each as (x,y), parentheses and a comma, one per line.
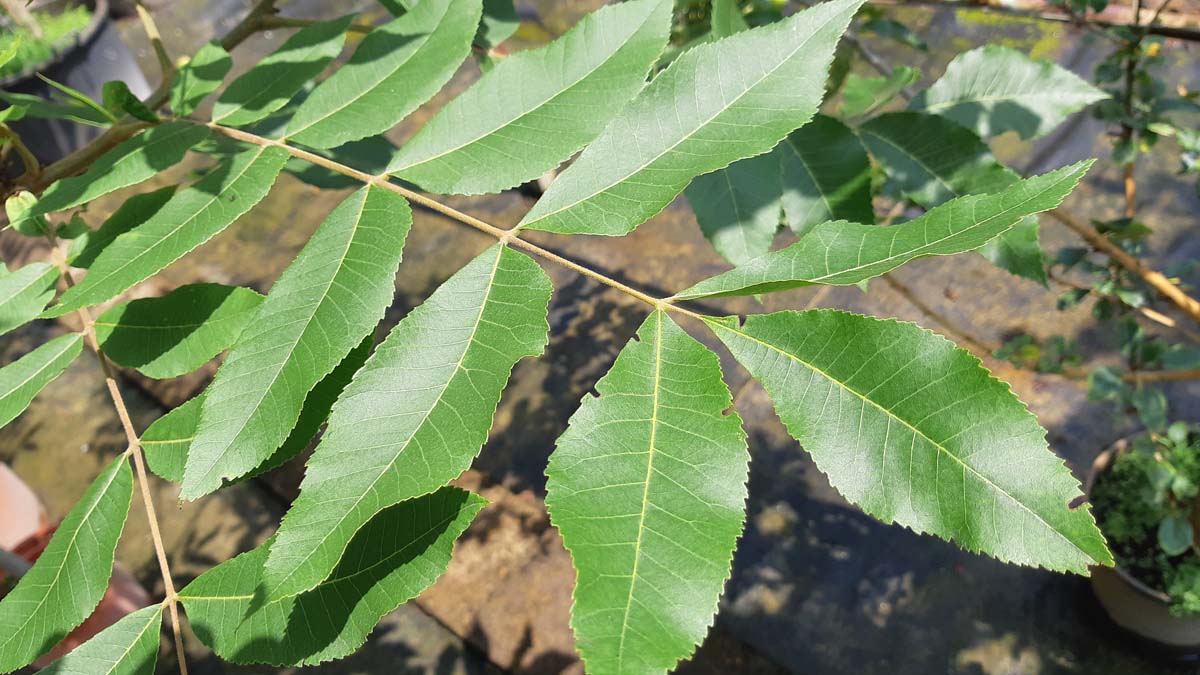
(92,57)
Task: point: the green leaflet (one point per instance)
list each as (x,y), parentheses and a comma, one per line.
(190,218)
(995,89)
(333,294)
(916,431)
(68,580)
(826,175)
(395,69)
(536,108)
(137,159)
(272,82)
(865,95)
(498,23)
(395,556)
(128,647)
(167,440)
(199,77)
(24,293)
(416,414)
(842,253)
(738,207)
(727,18)
(135,211)
(118,99)
(933,159)
(22,379)
(648,488)
(717,103)
(36,106)
(177,333)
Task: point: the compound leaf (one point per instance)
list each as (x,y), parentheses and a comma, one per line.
(648,488)
(416,414)
(916,431)
(190,218)
(537,107)
(272,82)
(128,647)
(66,583)
(933,159)
(22,379)
(333,294)
(395,556)
(24,293)
(395,69)
(717,103)
(826,175)
(842,253)
(994,89)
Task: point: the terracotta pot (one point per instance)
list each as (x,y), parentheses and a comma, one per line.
(1133,605)
(25,531)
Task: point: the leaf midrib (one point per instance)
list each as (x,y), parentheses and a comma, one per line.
(1088,97)
(266,91)
(417,429)
(637,549)
(333,580)
(966,230)
(423,38)
(154,616)
(537,106)
(299,335)
(697,128)
(713,323)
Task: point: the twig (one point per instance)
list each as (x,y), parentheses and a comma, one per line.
(83,157)
(506,237)
(1157,280)
(33,169)
(165,64)
(134,452)
(270,21)
(1177,27)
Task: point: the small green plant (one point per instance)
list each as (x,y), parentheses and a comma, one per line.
(747,114)
(1147,505)
(27,49)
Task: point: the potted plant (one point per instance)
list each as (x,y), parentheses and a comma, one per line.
(73,43)
(1145,495)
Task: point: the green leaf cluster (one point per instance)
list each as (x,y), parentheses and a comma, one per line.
(648,484)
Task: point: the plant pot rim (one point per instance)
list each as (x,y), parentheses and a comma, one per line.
(1100,465)
(66,44)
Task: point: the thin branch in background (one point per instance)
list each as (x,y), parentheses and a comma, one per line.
(1165,25)
(165,64)
(1157,280)
(270,21)
(33,169)
(1094,239)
